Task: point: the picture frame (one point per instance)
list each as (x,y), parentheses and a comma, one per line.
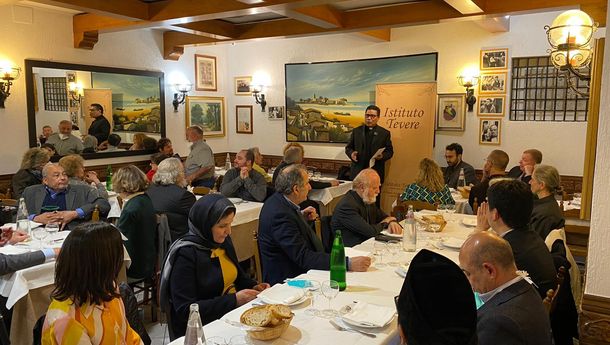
(207,112)
(493,59)
(276,113)
(490,131)
(491,83)
(243,119)
(242,86)
(450,112)
(205,73)
(491,105)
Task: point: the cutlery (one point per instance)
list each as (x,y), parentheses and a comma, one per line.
(343,328)
(244,327)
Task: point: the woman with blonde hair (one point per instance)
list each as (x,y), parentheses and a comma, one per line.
(546,215)
(429,186)
(138,142)
(31,170)
(74,166)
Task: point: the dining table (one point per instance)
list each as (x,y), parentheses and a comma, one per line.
(375,288)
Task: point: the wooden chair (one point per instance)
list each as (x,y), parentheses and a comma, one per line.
(402,206)
(7,195)
(550,301)
(201,190)
(8,202)
(257,257)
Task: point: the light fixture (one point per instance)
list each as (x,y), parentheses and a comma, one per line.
(469,82)
(8,73)
(570,36)
(179,97)
(75,89)
(259,96)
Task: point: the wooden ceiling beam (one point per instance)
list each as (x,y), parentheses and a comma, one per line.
(278,28)
(174,42)
(324,16)
(381,35)
(223,29)
(127,9)
(406,14)
(597,9)
(465,6)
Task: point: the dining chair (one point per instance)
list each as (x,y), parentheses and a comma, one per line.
(550,301)
(257,257)
(201,190)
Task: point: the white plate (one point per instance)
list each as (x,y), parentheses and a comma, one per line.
(235,200)
(469,221)
(366,324)
(283,294)
(387,233)
(452,243)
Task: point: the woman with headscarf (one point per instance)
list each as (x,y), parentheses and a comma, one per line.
(202,267)
(436,305)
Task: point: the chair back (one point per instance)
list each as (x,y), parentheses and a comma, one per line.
(402,206)
(201,190)
(8,202)
(550,301)
(257,257)
(575,281)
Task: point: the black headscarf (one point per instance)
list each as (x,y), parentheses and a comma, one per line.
(204,214)
(436,304)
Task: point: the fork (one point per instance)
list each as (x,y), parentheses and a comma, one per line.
(343,328)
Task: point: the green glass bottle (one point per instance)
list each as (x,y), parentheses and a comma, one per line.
(109,178)
(337,261)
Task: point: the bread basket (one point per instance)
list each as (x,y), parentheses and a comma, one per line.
(434,219)
(464,191)
(268,332)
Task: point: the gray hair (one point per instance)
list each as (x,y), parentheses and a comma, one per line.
(49,166)
(363,179)
(293,155)
(170,171)
(90,141)
(289,177)
(130,180)
(549,176)
(34,158)
(196,128)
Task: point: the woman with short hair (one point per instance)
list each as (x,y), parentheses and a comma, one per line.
(74,166)
(138,221)
(86,306)
(31,170)
(429,186)
(546,215)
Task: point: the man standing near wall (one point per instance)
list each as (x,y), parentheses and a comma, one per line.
(199,165)
(369,142)
(100,127)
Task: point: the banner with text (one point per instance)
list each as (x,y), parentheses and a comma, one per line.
(408,112)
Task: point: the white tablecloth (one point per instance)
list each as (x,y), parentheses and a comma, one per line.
(326,195)
(377,285)
(245,212)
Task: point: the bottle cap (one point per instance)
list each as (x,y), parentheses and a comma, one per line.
(194,307)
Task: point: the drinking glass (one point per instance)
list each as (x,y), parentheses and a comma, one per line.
(52,229)
(40,234)
(394,249)
(215,341)
(314,292)
(379,247)
(23,225)
(330,290)
(240,339)
(450,209)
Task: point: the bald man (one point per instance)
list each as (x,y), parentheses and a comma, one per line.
(512,312)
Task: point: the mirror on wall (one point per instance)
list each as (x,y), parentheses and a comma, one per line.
(124,103)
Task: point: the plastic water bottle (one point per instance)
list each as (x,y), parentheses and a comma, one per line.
(22,220)
(109,178)
(194,329)
(337,262)
(228,162)
(461,179)
(409,233)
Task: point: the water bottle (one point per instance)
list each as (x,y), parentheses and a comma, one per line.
(337,262)
(409,233)
(194,329)
(228,162)
(461,179)
(109,178)
(23,222)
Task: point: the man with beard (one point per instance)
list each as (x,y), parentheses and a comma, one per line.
(357,215)
(453,155)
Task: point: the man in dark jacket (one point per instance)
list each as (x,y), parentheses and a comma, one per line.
(100,127)
(453,156)
(357,216)
(495,166)
(524,170)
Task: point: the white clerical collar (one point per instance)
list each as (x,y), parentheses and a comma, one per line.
(488,295)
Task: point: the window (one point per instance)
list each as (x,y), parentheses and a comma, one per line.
(539,92)
(55,93)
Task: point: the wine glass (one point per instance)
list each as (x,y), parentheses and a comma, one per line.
(40,234)
(52,229)
(330,290)
(317,175)
(314,292)
(450,209)
(379,247)
(394,249)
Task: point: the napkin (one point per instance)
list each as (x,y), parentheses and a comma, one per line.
(351,252)
(13,250)
(387,233)
(281,294)
(368,314)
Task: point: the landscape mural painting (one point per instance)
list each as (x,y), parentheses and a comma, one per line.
(137,108)
(325,101)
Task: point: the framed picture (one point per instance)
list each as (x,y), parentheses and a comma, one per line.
(450,112)
(207,112)
(493,59)
(493,83)
(242,86)
(243,119)
(276,113)
(490,131)
(492,105)
(205,73)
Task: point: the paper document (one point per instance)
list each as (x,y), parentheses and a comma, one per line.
(372,161)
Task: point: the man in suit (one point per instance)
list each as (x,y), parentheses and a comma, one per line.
(508,212)
(495,166)
(365,142)
(512,312)
(523,171)
(453,156)
(288,245)
(357,216)
(242,181)
(74,204)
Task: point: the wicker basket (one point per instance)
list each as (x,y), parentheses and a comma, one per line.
(270,333)
(464,191)
(436,219)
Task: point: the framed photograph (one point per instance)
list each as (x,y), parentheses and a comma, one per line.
(207,112)
(205,73)
(450,112)
(491,105)
(276,113)
(494,59)
(243,119)
(493,83)
(242,86)
(490,131)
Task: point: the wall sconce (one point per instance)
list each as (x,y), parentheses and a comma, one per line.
(180,97)
(7,75)
(469,82)
(75,89)
(570,37)
(259,96)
